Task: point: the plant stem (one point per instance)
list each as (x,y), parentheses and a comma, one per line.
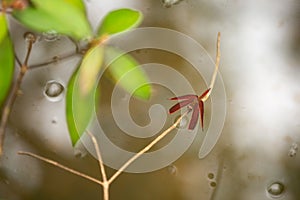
(100,160)
(101,167)
(13,96)
(106,191)
(18,60)
(213,79)
(59,58)
(56,164)
(147,148)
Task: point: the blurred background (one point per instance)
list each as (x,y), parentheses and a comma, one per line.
(256,156)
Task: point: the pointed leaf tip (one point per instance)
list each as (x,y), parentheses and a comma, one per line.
(120,20)
(126,72)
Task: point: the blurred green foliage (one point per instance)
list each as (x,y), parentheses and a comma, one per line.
(68,17)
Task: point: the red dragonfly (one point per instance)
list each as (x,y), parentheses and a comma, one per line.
(195,102)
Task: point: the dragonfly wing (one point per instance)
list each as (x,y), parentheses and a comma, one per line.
(188,96)
(201,108)
(180,105)
(195,117)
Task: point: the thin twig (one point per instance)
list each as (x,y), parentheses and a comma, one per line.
(101,166)
(213,79)
(100,160)
(30,43)
(147,148)
(59,58)
(52,162)
(13,96)
(18,60)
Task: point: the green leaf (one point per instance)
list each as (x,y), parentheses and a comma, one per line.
(81,93)
(57,15)
(119,20)
(3,27)
(125,71)
(6,60)
(77,4)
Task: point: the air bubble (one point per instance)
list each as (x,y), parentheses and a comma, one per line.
(29,37)
(54,91)
(50,36)
(55,58)
(6,182)
(80,152)
(293,150)
(275,189)
(183,123)
(54,120)
(213,184)
(172,169)
(170,3)
(211,176)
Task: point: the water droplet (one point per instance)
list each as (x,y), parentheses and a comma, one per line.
(50,36)
(170,3)
(172,169)
(213,184)
(125,97)
(29,37)
(292,153)
(54,120)
(6,182)
(79,153)
(275,189)
(293,150)
(54,91)
(211,176)
(55,58)
(183,123)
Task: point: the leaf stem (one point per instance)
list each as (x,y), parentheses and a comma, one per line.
(13,95)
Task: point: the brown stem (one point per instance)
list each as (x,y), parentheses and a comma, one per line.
(18,60)
(59,58)
(12,96)
(52,162)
